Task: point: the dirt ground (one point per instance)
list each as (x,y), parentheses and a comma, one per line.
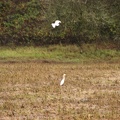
(32,91)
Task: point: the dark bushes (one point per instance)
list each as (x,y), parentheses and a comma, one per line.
(28,22)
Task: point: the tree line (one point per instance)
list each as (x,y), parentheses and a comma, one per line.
(28,22)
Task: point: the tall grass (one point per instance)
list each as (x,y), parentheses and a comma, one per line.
(71,53)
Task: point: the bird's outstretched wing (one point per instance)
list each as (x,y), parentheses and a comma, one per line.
(57,21)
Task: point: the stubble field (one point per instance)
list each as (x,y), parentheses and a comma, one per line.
(31,91)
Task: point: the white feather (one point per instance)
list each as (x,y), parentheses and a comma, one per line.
(57,23)
(53,25)
(63,79)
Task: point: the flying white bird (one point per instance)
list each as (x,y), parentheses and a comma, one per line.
(57,23)
(63,80)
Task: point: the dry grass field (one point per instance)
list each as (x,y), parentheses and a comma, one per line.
(31,91)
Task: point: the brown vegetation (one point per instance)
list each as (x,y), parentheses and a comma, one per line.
(31,91)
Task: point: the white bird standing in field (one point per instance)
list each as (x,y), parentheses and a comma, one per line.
(57,23)
(63,79)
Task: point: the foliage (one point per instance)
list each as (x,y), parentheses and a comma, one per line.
(29,21)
